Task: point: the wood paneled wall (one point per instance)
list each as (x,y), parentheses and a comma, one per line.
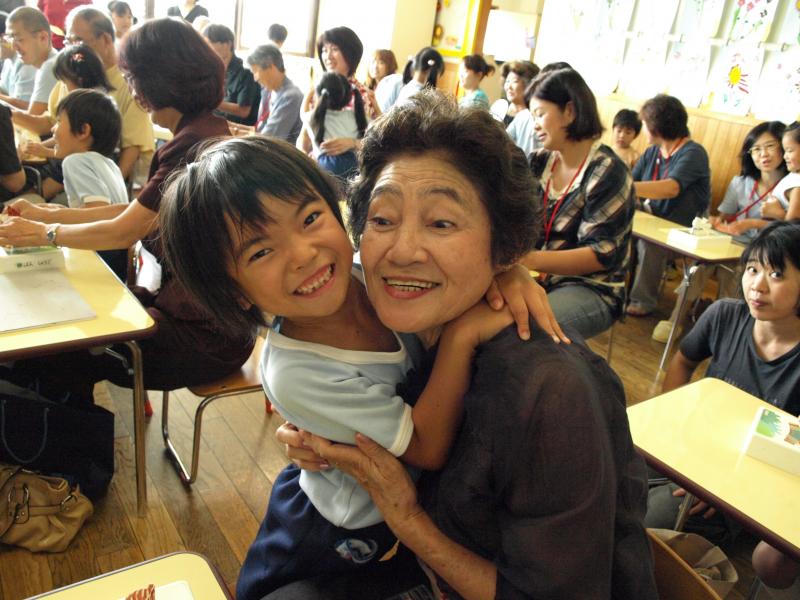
(721,135)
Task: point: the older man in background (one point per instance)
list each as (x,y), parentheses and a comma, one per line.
(285,98)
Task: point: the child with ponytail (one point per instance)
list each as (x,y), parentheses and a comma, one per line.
(331,120)
(422,71)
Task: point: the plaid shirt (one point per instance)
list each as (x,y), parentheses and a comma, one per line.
(597,212)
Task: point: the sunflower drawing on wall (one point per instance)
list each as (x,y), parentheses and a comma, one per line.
(737,79)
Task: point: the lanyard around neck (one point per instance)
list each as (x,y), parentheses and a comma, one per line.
(548,223)
(675,148)
(746,209)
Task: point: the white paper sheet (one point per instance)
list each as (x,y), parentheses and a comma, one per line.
(37,298)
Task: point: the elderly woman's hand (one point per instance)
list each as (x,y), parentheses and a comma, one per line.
(516,289)
(380,473)
(21,232)
(300,454)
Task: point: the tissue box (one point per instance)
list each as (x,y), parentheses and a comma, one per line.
(14,260)
(704,239)
(775,439)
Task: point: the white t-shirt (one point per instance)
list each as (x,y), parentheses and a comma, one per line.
(387,91)
(411,88)
(521,132)
(92,174)
(45,81)
(338,124)
(335,393)
(786,185)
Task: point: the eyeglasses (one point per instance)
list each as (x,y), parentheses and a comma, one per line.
(765,149)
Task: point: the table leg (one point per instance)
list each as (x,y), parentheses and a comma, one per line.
(683,511)
(688,274)
(138,427)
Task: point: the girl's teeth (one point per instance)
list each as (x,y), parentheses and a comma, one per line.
(326,277)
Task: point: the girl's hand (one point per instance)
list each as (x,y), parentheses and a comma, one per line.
(371,105)
(773,209)
(297,451)
(478,325)
(523,296)
(339,146)
(734,228)
(381,474)
(21,232)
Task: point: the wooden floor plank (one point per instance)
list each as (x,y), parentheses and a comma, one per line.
(23,573)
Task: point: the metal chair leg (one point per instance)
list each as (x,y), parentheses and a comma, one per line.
(610,342)
(188,476)
(683,511)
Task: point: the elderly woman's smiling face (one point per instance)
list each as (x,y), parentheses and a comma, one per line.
(426,247)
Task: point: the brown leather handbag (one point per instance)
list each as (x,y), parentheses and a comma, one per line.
(40,513)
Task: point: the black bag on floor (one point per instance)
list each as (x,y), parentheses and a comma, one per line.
(75,442)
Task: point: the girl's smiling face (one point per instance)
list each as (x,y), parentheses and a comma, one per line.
(791,151)
(297,265)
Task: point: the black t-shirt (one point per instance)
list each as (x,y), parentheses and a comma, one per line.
(725,333)
(689,167)
(241,89)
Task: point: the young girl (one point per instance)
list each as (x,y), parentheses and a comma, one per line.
(471,72)
(331,119)
(421,71)
(274,242)
(753,344)
(122,18)
(787,192)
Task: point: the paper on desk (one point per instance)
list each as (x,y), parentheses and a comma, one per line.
(36,298)
(177,590)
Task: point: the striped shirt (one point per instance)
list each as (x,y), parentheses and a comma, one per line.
(597,213)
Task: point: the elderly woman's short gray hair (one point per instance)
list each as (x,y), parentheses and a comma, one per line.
(474,144)
(266,56)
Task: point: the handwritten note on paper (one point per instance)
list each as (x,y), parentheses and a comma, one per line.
(37,298)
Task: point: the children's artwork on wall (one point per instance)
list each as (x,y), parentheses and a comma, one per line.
(613,15)
(656,17)
(687,71)
(699,18)
(752,20)
(735,79)
(607,49)
(778,95)
(643,75)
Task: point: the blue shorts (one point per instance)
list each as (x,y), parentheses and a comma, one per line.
(296,542)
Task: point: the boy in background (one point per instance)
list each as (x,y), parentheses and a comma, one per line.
(625,129)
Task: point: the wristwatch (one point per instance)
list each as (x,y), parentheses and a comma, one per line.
(52,232)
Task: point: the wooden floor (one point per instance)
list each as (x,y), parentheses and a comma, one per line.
(219,515)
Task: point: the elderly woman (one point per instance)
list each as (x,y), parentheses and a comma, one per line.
(587,194)
(517,75)
(543,495)
(180,94)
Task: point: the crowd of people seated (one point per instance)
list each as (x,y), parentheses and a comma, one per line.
(390,366)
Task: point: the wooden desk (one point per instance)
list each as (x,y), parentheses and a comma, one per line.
(120,319)
(656,230)
(696,435)
(204,582)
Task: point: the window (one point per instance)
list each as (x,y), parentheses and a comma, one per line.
(297,16)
